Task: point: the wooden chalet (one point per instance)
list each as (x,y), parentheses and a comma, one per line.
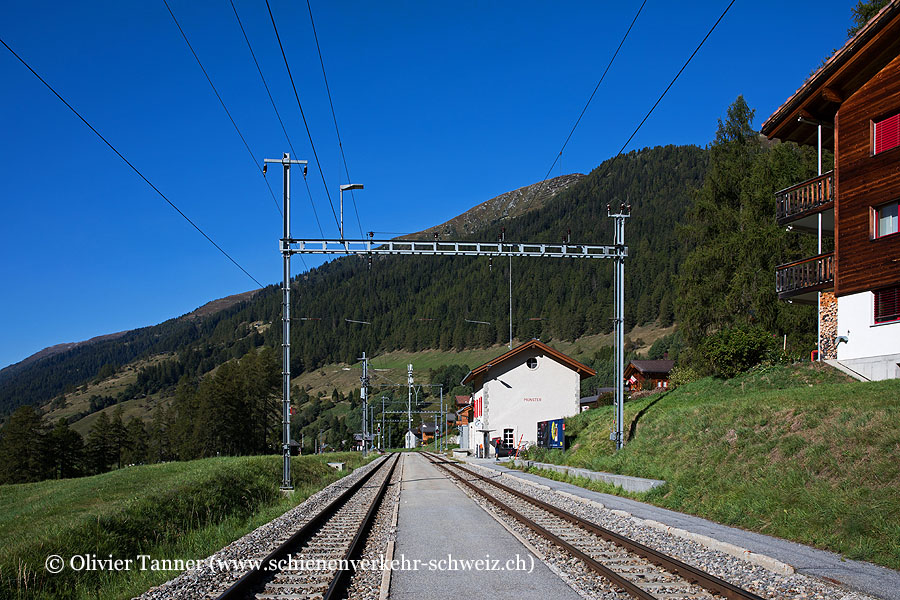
(850,105)
(465,410)
(648,374)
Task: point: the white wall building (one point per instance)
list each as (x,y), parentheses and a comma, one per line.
(866,346)
(530,383)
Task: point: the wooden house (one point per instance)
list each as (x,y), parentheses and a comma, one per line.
(648,374)
(850,105)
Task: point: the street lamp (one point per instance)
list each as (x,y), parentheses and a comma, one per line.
(347,186)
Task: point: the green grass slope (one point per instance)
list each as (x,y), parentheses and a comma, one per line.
(178,510)
(796,452)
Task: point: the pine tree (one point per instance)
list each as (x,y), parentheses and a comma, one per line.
(863,12)
(66,451)
(135,451)
(727,278)
(100,448)
(23,448)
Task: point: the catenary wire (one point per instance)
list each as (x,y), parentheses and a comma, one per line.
(222,102)
(302,114)
(127,162)
(275,108)
(588,103)
(671,83)
(334,116)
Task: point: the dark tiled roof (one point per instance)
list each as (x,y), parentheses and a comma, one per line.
(653,366)
(601,391)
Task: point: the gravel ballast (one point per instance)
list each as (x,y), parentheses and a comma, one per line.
(216,573)
(751,577)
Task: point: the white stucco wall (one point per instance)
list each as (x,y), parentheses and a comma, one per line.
(516,397)
(872,350)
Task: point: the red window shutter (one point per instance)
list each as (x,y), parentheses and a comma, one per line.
(887,133)
(887,305)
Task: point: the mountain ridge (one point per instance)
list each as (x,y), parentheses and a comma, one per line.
(507,205)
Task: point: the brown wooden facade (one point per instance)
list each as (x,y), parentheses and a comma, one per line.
(865,181)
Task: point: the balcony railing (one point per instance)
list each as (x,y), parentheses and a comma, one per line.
(803,276)
(804,197)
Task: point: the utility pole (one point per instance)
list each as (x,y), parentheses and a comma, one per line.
(819,246)
(503,239)
(365,406)
(619,290)
(409,381)
(286,163)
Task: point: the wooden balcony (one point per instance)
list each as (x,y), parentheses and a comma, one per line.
(799,205)
(800,280)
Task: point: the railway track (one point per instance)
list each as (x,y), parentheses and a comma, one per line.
(312,562)
(642,572)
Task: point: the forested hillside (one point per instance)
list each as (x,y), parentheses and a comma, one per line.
(415,302)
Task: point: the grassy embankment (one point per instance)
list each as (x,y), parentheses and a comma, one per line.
(178,510)
(796,452)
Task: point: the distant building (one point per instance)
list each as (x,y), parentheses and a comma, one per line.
(358,440)
(530,383)
(853,102)
(410,440)
(425,432)
(648,374)
(589,402)
(465,414)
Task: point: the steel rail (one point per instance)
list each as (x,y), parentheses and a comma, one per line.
(685,571)
(244,586)
(342,580)
(595,565)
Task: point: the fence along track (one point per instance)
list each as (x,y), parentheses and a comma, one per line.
(584,547)
(336,533)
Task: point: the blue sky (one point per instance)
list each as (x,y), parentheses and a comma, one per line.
(440,106)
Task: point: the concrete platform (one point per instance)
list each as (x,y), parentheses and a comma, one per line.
(437,520)
(626,482)
(867,578)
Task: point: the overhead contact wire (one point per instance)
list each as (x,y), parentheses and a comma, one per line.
(671,83)
(302,114)
(127,162)
(225,108)
(334,116)
(275,108)
(591,98)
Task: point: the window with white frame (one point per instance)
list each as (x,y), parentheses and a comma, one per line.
(508,438)
(886,219)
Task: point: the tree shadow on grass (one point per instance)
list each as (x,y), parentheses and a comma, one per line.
(632,429)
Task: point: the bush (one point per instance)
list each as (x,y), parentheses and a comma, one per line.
(733,351)
(681,376)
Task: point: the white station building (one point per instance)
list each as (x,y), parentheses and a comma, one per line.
(530,383)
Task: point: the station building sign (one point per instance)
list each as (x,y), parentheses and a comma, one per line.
(551,434)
